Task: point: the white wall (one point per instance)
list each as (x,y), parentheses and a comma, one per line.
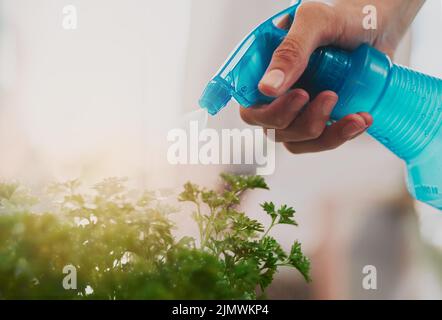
(92,102)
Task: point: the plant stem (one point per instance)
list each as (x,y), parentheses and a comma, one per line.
(199,222)
(270,228)
(209,226)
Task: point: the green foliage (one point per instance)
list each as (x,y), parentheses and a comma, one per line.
(123,246)
(234,238)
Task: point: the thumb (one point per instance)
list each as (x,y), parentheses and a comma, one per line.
(314,26)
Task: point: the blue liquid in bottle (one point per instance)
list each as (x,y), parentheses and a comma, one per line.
(406,105)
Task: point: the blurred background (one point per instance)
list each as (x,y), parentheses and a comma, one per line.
(98,101)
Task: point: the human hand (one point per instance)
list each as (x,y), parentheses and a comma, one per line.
(302,124)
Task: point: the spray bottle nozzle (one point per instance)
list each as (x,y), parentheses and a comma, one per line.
(215,97)
(240,74)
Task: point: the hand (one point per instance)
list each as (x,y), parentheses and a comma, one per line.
(302,125)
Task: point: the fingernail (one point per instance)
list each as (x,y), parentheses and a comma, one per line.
(367,122)
(299,95)
(352,130)
(274,79)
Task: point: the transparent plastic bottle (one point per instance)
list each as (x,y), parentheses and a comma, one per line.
(406,105)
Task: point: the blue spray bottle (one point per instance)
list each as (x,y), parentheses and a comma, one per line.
(406,105)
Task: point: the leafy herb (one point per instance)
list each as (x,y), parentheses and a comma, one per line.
(123,246)
(234,238)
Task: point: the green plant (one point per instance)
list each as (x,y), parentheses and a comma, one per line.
(123,246)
